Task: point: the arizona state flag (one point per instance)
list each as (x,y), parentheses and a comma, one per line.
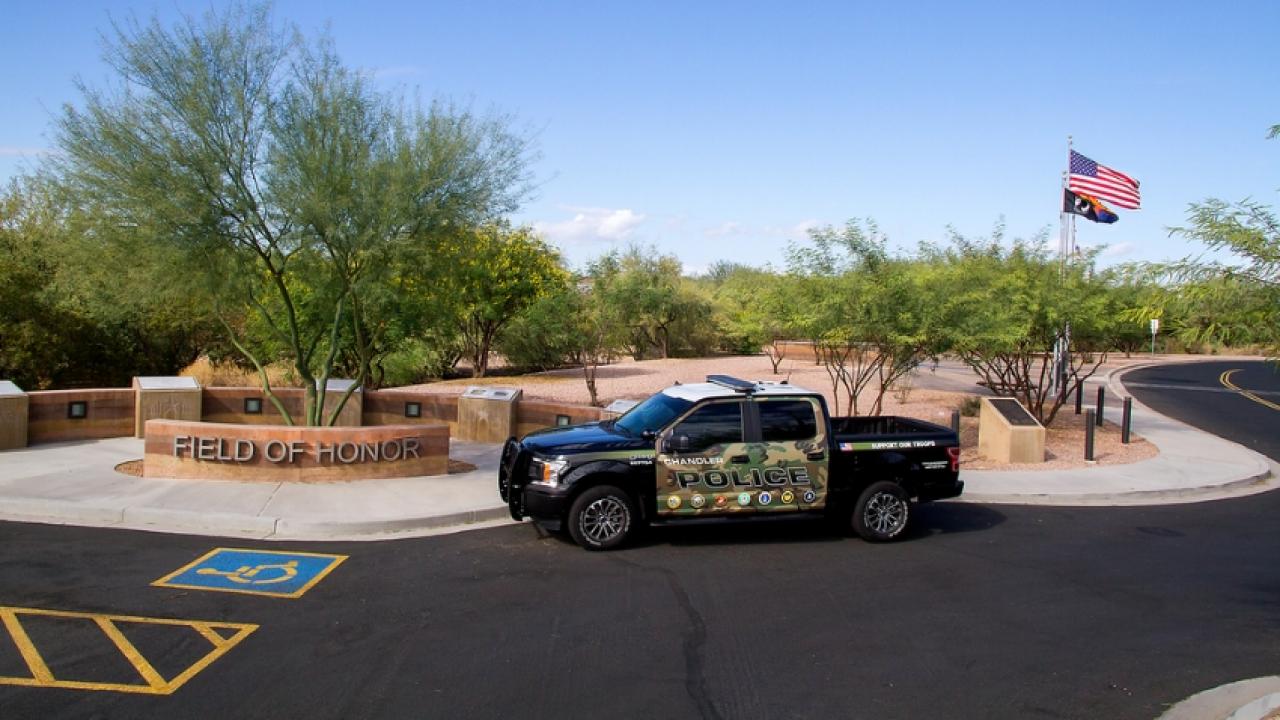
(1089,207)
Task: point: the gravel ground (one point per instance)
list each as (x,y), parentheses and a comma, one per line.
(1064,443)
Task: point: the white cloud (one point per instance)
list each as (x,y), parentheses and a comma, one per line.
(592,225)
(802,228)
(724,229)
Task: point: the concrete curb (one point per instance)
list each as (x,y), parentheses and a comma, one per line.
(287,529)
(1258,483)
(1243,700)
(59,512)
(234,525)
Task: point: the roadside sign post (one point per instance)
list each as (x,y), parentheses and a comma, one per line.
(1155,328)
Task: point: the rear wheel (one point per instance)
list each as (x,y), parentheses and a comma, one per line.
(882,512)
(602,518)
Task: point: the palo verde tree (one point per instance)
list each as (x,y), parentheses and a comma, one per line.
(663,311)
(488,276)
(868,315)
(1003,306)
(295,194)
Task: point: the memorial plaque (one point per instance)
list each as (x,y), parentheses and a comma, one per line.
(621,406)
(1013,411)
(487,414)
(1008,433)
(353,411)
(13,416)
(165,398)
(167,383)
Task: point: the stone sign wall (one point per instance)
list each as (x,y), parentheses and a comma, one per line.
(59,415)
(273,453)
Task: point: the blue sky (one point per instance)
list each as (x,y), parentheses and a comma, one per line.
(723,130)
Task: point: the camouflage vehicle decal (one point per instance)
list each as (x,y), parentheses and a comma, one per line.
(777,477)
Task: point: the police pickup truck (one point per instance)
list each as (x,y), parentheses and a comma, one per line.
(728,448)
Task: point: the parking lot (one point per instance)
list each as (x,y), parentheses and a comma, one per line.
(982,611)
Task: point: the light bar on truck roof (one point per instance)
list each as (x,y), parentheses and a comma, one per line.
(733,383)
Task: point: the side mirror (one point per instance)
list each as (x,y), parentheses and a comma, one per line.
(649,434)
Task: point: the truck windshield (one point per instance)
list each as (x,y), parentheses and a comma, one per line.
(653,414)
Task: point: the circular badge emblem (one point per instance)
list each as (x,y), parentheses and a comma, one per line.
(744,499)
(697,501)
(673,501)
(721,501)
(810,496)
(765,498)
(788,497)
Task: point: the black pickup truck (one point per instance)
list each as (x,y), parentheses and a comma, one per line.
(728,448)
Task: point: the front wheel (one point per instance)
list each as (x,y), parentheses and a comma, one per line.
(882,512)
(602,518)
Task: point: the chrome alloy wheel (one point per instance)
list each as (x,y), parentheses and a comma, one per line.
(604,519)
(885,514)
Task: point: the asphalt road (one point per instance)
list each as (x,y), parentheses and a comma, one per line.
(981,613)
(1237,400)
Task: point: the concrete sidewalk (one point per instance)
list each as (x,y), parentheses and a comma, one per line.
(76,484)
(1192,466)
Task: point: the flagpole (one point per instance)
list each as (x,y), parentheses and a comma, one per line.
(1064,233)
(1071,218)
(1066,241)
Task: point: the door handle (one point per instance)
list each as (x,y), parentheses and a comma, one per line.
(740,459)
(819,455)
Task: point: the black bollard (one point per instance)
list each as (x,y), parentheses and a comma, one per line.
(955,421)
(1127,421)
(1079,396)
(1102,401)
(1088,435)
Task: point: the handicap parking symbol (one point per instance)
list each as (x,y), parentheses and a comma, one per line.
(256,572)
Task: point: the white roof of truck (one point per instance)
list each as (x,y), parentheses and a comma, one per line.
(702,391)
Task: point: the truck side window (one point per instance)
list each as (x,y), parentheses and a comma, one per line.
(717,423)
(782,420)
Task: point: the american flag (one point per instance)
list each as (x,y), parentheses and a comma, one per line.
(1102,182)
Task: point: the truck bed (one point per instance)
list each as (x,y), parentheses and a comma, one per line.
(887,427)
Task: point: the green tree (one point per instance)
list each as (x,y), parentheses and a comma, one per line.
(650,293)
(865,310)
(545,335)
(70,313)
(488,276)
(290,188)
(1003,308)
(755,312)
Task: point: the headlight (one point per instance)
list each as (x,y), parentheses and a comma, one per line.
(548,472)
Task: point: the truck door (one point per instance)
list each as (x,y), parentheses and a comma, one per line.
(793,458)
(700,463)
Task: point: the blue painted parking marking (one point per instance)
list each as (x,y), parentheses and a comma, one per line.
(255,572)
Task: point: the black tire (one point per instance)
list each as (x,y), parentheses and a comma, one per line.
(882,512)
(602,518)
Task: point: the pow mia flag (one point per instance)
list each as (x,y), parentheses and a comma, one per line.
(1087,206)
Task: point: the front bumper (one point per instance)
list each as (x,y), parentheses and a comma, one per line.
(546,505)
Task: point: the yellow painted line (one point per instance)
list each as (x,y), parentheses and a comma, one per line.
(1225,379)
(39,670)
(221,648)
(337,560)
(155,683)
(131,653)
